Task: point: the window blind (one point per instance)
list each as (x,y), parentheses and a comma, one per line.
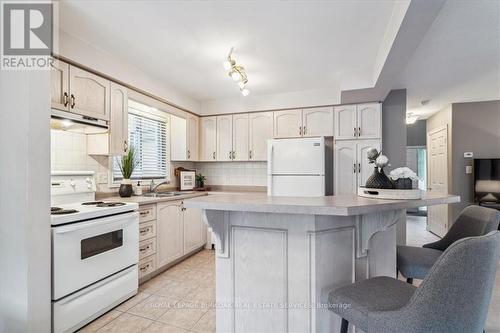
(149,138)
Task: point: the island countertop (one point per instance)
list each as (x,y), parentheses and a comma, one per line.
(340,205)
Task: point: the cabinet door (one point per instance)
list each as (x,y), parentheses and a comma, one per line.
(317,122)
(192,137)
(178,138)
(170,233)
(288,123)
(365,170)
(345,122)
(59,85)
(118,122)
(89,94)
(369,121)
(240,137)
(208,138)
(195,231)
(345,167)
(224,138)
(260,130)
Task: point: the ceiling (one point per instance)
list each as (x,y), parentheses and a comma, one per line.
(284,46)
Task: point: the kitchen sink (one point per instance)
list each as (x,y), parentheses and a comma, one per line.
(164,194)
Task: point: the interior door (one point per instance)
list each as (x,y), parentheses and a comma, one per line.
(317,122)
(345,167)
(260,130)
(437,142)
(288,123)
(118,123)
(192,137)
(240,137)
(89,94)
(59,85)
(365,170)
(194,230)
(345,122)
(369,121)
(208,138)
(170,233)
(224,138)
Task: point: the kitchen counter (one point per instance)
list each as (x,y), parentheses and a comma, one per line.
(143,200)
(278,257)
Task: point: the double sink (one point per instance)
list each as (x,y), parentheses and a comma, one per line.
(164,194)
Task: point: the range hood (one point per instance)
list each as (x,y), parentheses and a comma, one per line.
(68,121)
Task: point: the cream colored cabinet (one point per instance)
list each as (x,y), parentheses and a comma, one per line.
(260,128)
(118,123)
(365,170)
(288,123)
(170,233)
(178,138)
(208,139)
(89,94)
(192,137)
(195,232)
(317,122)
(224,138)
(363,121)
(59,85)
(240,137)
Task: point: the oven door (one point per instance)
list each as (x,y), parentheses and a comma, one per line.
(86,252)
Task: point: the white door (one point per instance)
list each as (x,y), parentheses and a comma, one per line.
(224,138)
(345,122)
(170,233)
(194,230)
(317,122)
(288,123)
(365,170)
(369,121)
(118,122)
(240,137)
(89,94)
(437,143)
(59,85)
(260,130)
(208,138)
(305,156)
(178,138)
(192,137)
(345,167)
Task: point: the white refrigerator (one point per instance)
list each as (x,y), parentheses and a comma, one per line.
(301,167)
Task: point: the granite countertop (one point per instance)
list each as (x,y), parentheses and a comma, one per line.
(342,205)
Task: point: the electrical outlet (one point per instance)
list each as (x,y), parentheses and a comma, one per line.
(102,178)
(468,169)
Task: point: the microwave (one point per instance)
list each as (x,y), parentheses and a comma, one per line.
(186,180)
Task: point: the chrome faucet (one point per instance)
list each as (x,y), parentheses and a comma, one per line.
(153,187)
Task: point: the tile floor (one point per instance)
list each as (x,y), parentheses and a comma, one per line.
(181,299)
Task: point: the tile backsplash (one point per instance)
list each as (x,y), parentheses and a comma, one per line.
(234,173)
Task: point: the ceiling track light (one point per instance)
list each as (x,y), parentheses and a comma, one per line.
(236,72)
(411,118)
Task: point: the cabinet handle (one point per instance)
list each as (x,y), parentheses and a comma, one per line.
(305,130)
(359,131)
(230,155)
(359,167)
(355,132)
(189,154)
(144,213)
(213,155)
(142,249)
(300,130)
(354,168)
(145,268)
(73,101)
(250,154)
(234,155)
(65,99)
(125,146)
(144,231)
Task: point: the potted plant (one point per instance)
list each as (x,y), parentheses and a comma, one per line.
(127,166)
(200,180)
(378,179)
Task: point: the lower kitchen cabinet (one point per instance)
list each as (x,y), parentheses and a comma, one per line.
(170,232)
(194,230)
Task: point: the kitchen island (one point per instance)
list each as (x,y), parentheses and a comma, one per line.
(278,257)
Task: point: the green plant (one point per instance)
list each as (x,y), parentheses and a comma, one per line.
(128,163)
(199,177)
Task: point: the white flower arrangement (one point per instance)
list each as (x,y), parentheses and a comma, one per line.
(382,161)
(400,173)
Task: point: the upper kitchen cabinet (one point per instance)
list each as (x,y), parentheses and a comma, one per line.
(192,137)
(240,137)
(89,94)
(288,123)
(59,85)
(363,121)
(178,138)
(208,139)
(317,122)
(224,138)
(260,128)
(118,122)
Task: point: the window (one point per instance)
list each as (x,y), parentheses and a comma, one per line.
(147,133)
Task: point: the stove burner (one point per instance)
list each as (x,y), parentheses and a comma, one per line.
(61,211)
(110,204)
(55,209)
(92,203)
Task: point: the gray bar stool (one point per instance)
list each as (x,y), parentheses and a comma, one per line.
(454,296)
(414,262)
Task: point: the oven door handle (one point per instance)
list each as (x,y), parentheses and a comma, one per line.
(122,219)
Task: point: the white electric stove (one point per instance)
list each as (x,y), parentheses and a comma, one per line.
(94,251)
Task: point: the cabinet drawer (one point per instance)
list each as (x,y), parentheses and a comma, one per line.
(147,265)
(147,248)
(147,230)
(147,213)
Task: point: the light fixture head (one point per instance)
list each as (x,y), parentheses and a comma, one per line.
(245,92)
(241,84)
(235,75)
(411,118)
(227,65)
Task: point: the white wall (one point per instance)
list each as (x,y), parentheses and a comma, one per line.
(86,54)
(24,201)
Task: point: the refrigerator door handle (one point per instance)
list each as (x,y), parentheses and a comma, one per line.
(270,149)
